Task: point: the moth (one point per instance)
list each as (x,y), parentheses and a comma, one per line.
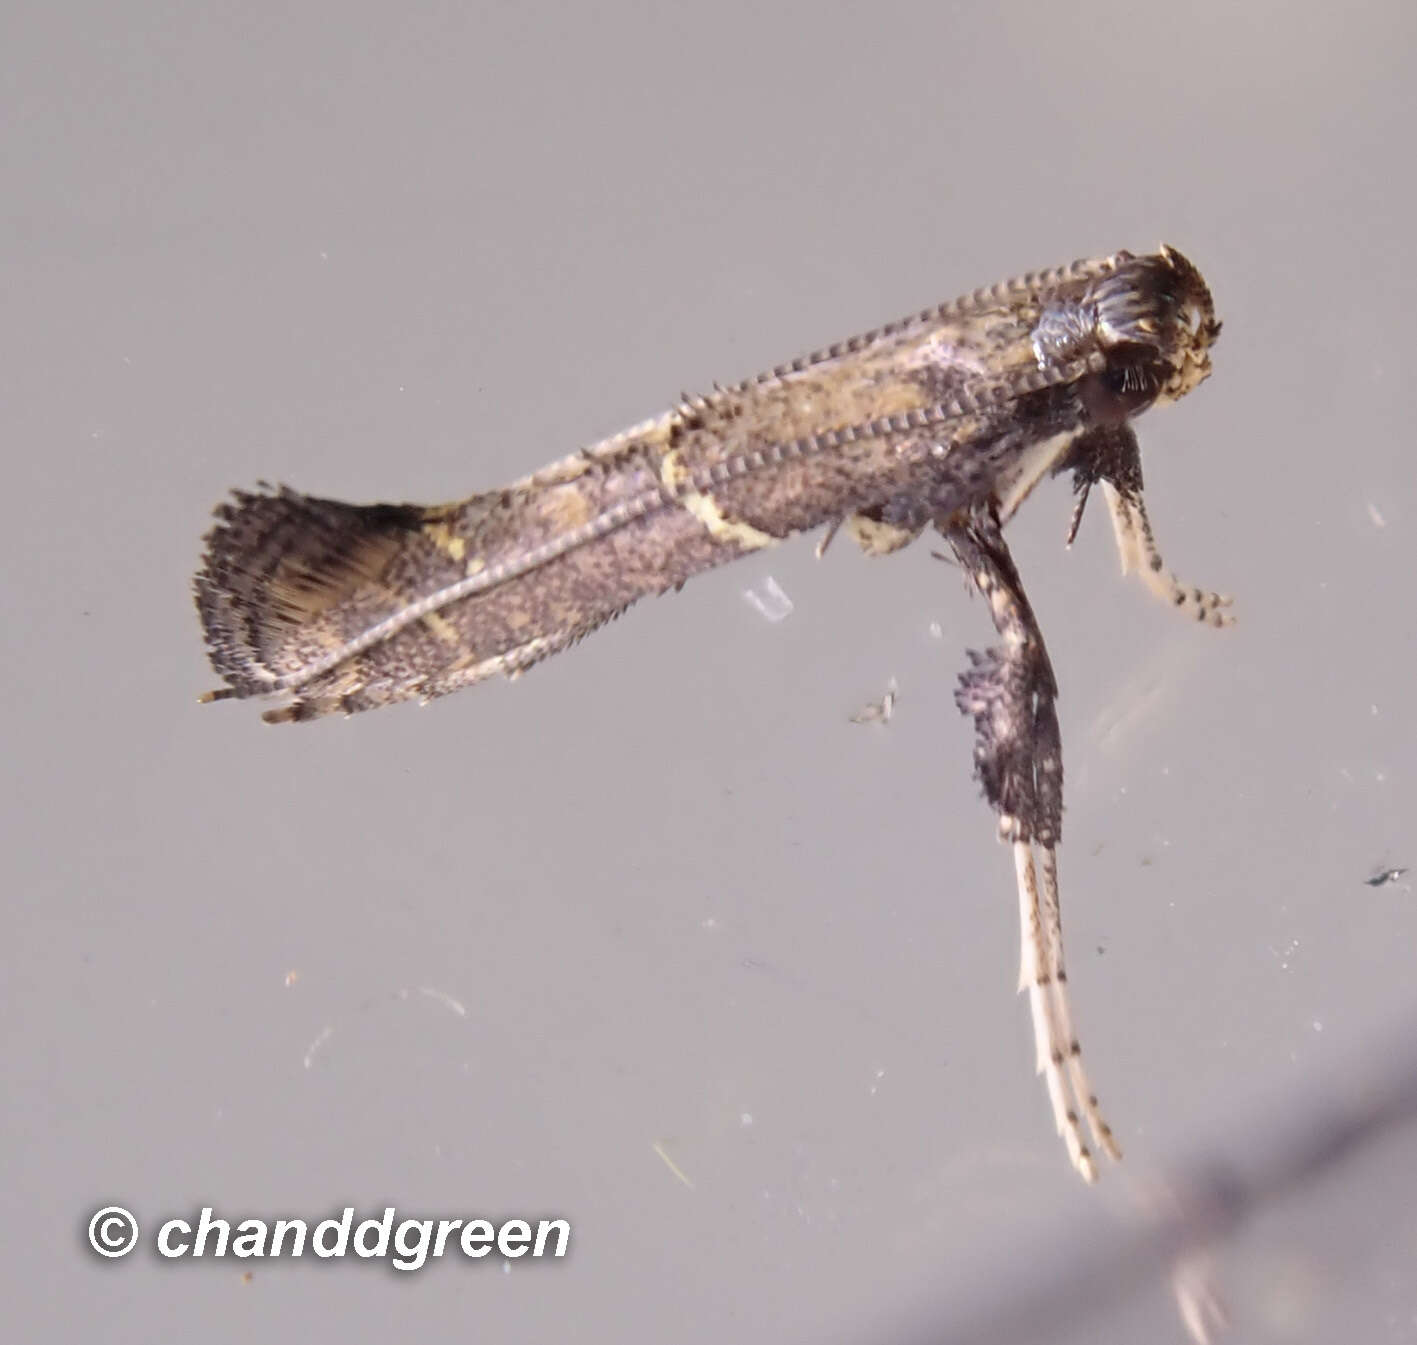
(945,419)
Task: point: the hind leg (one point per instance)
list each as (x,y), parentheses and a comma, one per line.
(1010,692)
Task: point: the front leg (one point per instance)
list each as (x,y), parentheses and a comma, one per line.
(1109,454)
(1010,691)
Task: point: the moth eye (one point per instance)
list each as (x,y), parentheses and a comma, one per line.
(1116,380)
(1122,390)
(1128,380)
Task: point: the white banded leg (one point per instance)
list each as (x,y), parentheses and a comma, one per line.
(1110,455)
(1010,693)
(1043,975)
(1137,549)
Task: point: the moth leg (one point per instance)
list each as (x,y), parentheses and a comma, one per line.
(1010,692)
(829,535)
(1051,911)
(1109,455)
(1137,547)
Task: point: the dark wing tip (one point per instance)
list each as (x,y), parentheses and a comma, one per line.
(229,586)
(278,569)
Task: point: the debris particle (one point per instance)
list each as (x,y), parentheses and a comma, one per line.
(878,712)
(325,1034)
(769,601)
(442,997)
(671,1164)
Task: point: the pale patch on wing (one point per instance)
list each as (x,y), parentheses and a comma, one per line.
(876,538)
(938,350)
(443,629)
(451,544)
(566,507)
(721,528)
(438,625)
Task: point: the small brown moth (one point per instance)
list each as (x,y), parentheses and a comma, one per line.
(949,417)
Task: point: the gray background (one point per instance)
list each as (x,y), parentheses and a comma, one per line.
(408,253)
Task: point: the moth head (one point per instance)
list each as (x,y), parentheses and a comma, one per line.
(1155,323)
